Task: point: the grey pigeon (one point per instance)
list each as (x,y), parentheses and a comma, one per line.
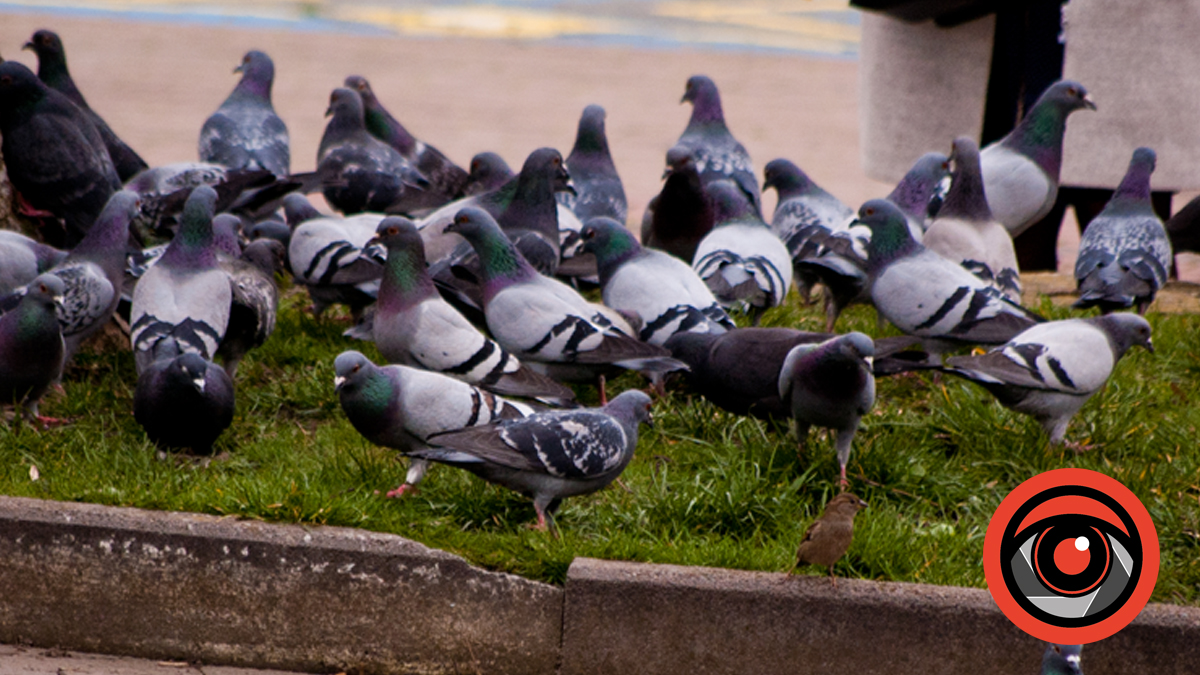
(245,132)
(926,295)
(22,259)
(680,215)
(1050,370)
(661,290)
(446,179)
(401,407)
(414,326)
(52,69)
(488,172)
(550,455)
(1062,660)
(182,400)
(327,255)
(544,321)
(597,185)
(359,172)
(53,154)
(741,260)
(1021,170)
(717,154)
(965,231)
(1125,255)
(830,385)
(185,295)
(31,347)
(739,370)
(255,299)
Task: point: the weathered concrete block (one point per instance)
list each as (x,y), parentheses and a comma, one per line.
(187,586)
(669,620)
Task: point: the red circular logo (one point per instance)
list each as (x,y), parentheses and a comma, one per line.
(1071,556)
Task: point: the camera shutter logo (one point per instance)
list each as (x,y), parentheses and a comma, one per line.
(1071,556)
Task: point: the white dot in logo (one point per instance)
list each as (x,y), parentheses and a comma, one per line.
(1081,544)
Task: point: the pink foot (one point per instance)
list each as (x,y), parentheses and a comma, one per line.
(49,422)
(29,210)
(406,489)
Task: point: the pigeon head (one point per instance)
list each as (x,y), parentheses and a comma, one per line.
(679,160)
(110,232)
(258,73)
(1039,135)
(193,243)
(544,166)
(346,108)
(729,203)
(350,369)
(268,255)
(225,234)
(1066,95)
(890,238)
(501,261)
(46,290)
(706,101)
(192,368)
(1062,660)
(1135,186)
(1125,330)
(785,177)
(857,345)
(590,138)
(631,407)
(405,280)
(966,198)
(297,209)
(271,228)
(378,121)
(611,242)
(359,83)
(20,89)
(691,348)
(915,193)
(846,504)
(488,172)
(52,58)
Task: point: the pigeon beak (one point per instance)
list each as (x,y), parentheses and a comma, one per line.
(569,187)
(666,173)
(28,45)
(870,362)
(1089,103)
(329,110)
(240,68)
(338,381)
(199,382)
(1149,346)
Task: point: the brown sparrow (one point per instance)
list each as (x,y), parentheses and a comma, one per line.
(828,538)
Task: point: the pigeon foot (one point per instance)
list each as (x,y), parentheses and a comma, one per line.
(403,490)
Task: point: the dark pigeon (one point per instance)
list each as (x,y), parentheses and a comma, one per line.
(182,400)
(717,154)
(1050,370)
(661,290)
(31,347)
(549,455)
(52,69)
(1125,255)
(681,215)
(400,407)
(53,153)
(831,385)
(920,193)
(446,179)
(1021,170)
(1062,660)
(359,172)
(598,190)
(245,132)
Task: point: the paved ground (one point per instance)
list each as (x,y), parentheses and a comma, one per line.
(33,661)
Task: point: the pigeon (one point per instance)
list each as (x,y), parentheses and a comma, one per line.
(805,215)
(54,155)
(1021,170)
(1050,370)
(1062,660)
(680,216)
(245,132)
(717,154)
(965,231)
(1125,255)
(542,320)
(446,179)
(739,370)
(327,255)
(828,538)
(182,400)
(831,385)
(926,295)
(52,69)
(741,260)
(31,347)
(488,172)
(360,172)
(22,259)
(598,187)
(414,326)
(549,455)
(185,295)
(661,290)
(401,407)
(920,193)
(255,299)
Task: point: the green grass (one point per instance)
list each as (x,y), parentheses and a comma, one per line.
(705,488)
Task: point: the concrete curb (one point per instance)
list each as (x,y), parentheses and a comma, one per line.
(192,587)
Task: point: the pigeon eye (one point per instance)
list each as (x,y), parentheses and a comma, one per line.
(42,288)
(1073,91)
(869,212)
(393,230)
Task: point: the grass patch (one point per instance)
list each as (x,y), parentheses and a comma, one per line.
(705,488)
